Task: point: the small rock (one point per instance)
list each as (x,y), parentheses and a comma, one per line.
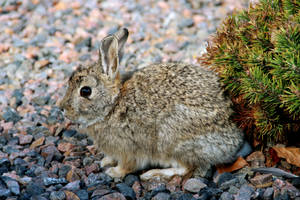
(69,133)
(256,159)
(171,47)
(268,193)
(130,179)
(233,189)
(57,195)
(41,100)
(10,115)
(100,192)
(37,142)
(72,176)
(292,191)
(161,196)
(4,165)
(84,43)
(113,196)
(222,178)
(71,196)
(82,194)
(208,192)
(194,185)
(75,185)
(186,196)
(34,189)
(64,170)
(40,64)
(174,184)
(261,181)
(160,188)
(52,181)
(4,193)
(137,188)
(245,193)
(91,168)
(87,161)
(186,23)
(226,196)
(126,191)
(65,146)
(11,184)
(51,152)
(25,139)
(227,184)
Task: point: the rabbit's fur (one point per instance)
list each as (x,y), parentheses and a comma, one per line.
(171,115)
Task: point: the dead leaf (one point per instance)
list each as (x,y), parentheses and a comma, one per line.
(291,154)
(238,164)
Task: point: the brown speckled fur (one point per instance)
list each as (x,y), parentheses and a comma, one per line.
(168,114)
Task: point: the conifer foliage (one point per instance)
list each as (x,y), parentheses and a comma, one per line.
(257,55)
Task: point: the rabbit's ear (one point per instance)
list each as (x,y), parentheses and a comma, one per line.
(121,36)
(110,53)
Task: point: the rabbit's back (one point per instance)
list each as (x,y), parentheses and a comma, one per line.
(163,86)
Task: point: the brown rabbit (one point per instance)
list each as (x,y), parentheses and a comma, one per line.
(170,115)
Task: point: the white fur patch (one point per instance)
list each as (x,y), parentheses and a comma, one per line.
(163,173)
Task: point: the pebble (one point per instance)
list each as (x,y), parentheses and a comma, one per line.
(87,161)
(268,193)
(194,185)
(82,194)
(51,181)
(25,139)
(221,178)
(113,196)
(186,196)
(69,133)
(264,180)
(35,189)
(256,159)
(75,185)
(126,191)
(63,170)
(130,179)
(10,115)
(226,196)
(161,196)
(57,195)
(12,185)
(245,193)
(71,195)
(4,193)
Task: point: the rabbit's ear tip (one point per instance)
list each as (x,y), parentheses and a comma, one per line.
(126,32)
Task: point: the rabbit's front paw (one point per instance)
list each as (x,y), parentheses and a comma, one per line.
(116,172)
(165,174)
(106,161)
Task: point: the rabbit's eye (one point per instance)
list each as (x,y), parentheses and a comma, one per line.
(85,91)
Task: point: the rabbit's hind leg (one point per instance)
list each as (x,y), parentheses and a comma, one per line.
(165,174)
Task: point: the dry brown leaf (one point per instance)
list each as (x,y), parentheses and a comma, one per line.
(291,154)
(238,164)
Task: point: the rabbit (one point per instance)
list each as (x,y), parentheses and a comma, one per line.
(171,115)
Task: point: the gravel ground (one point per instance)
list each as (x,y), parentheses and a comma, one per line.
(43,41)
